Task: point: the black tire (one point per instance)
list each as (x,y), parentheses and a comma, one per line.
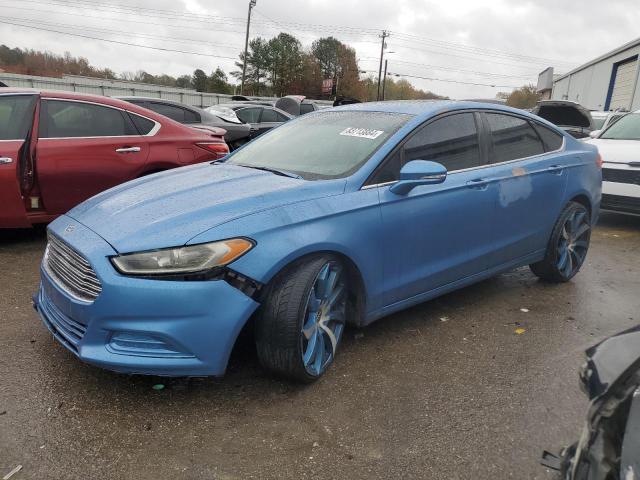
(278,329)
(567,247)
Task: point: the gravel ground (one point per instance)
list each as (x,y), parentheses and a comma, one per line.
(444,390)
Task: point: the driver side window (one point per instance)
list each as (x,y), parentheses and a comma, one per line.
(452,141)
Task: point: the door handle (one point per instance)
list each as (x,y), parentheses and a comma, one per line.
(478,183)
(128,150)
(5,160)
(557,169)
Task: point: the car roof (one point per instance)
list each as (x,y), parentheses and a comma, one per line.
(115,102)
(423,108)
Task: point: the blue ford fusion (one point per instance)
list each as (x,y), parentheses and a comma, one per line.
(341,216)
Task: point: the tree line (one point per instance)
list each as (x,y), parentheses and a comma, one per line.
(274,67)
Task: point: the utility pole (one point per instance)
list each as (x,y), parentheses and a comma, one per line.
(384,36)
(252,3)
(384,78)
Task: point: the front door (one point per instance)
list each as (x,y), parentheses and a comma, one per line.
(438,234)
(16,170)
(84,149)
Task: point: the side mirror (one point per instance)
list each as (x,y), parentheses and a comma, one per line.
(595,133)
(419,172)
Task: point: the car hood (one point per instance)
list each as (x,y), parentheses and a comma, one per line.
(170,208)
(617,151)
(609,360)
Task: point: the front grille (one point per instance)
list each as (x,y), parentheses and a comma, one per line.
(71,271)
(65,329)
(620,203)
(621,176)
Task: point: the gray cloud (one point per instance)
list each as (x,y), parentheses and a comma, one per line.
(558,33)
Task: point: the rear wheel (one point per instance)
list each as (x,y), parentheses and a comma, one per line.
(302,319)
(567,247)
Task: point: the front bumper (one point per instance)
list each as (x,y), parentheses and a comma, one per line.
(155,327)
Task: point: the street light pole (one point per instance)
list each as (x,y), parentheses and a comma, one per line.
(252,3)
(384,36)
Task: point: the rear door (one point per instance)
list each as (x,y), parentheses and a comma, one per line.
(16,124)
(85,148)
(530,171)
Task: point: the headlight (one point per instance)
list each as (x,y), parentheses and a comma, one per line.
(189,259)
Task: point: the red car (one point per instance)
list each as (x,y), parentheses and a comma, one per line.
(60,148)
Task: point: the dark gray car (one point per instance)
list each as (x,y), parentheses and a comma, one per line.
(238,133)
(261,117)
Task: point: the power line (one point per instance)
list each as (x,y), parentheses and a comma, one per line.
(449,80)
(116,41)
(119,32)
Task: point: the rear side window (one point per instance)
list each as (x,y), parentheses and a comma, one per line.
(16,116)
(269,115)
(174,112)
(69,119)
(306,108)
(143,125)
(552,140)
(512,138)
(451,141)
(249,115)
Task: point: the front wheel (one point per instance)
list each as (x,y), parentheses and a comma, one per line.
(567,247)
(302,319)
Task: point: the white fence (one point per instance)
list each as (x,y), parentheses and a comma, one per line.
(114,88)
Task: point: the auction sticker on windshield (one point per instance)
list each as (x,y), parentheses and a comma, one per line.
(361,132)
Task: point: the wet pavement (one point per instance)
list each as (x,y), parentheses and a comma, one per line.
(445,390)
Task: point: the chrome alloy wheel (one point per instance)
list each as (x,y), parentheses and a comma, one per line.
(324,319)
(573,243)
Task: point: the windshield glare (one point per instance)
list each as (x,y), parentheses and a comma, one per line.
(323,145)
(626,128)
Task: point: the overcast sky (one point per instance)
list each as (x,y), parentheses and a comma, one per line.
(502,43)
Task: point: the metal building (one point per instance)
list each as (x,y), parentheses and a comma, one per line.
(608,82)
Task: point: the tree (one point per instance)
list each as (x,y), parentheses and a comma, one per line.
(184,81)
(257,65)
(218,82)
(199,80)
(523,97)
(284,54)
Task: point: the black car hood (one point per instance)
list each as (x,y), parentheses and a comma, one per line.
(610,360)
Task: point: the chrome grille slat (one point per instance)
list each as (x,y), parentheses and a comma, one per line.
(71,271)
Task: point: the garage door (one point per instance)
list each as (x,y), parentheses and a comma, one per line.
(622,93)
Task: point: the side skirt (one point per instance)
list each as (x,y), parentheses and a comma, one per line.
(436,292)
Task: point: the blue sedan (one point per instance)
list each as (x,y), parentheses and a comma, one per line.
(339,217)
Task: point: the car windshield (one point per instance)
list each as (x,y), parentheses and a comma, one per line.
(626,128)
(598,122)
(322,145)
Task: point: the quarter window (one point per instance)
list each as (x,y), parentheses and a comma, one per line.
(451,141)
(67,119)
(552,140)
(143,125)
(512,138)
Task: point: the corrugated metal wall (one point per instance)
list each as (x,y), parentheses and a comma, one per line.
(113,88)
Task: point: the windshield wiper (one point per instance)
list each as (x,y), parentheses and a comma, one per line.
(282,173)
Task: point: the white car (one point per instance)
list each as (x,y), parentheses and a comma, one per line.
(619,146)
(602,120)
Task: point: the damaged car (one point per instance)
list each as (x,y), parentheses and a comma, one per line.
(342,216)
(571,117)
(609,447)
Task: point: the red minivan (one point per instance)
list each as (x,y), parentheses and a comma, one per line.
(60,148)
